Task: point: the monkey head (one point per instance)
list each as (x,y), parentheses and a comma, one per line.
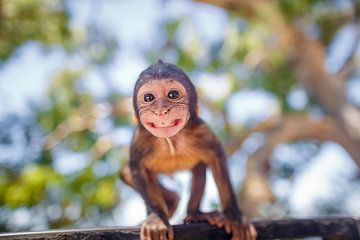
(164,99)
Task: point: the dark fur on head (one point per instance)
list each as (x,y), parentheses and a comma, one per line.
(161,71)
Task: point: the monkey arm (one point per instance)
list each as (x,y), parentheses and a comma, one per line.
(231,219)
(146,184)
(140,177)
(197,188)
(227,196)
(156,226)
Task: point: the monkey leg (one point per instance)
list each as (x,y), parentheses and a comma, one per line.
(171,198)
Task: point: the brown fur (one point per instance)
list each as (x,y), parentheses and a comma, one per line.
(188,146)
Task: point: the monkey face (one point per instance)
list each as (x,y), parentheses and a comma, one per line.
(163,107)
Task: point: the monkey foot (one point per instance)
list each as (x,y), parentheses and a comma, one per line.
(202,217)
(240,229)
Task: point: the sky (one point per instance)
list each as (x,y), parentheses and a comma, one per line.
(22,81)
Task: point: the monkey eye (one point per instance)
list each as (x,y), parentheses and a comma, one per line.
(173,94)
(148,97)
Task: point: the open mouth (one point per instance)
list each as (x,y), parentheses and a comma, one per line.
(163,124)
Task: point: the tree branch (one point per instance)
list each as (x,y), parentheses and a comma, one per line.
(348,66)
(290,128)
(341,228)
(245,8)
(307,57)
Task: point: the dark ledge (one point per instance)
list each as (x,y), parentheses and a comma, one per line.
(329,228)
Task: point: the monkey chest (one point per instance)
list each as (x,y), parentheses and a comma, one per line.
(175,156)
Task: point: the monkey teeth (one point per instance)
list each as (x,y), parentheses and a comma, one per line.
(164,124)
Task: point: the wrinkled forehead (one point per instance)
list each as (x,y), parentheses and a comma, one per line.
(160,85)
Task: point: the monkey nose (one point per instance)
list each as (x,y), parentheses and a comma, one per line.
(160,112)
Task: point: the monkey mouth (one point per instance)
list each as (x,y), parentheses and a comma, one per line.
(163,124)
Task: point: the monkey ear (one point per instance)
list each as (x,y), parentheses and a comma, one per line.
(135,119)
(197,109)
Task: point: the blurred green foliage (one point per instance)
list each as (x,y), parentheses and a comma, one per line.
(30,186)
(67,122)
(38,20)
(280,82)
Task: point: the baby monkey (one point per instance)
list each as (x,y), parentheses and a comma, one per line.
(170,137)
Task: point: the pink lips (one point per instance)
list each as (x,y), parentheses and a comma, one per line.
(163,124)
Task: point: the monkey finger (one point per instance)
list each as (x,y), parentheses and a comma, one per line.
(211,221)
(253,233)
(236,234)
(148,234)
(191,219)
(219,220)
(163,235)
(250,233)
(188,219)
(219,223)
(155,234)
(228,227)
(143,233)
(245,231)
(215,214)
(170,233)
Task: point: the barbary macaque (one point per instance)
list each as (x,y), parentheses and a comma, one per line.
(170,137)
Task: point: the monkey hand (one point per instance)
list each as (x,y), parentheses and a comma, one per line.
(238,226)
(233,224)
(156,228)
